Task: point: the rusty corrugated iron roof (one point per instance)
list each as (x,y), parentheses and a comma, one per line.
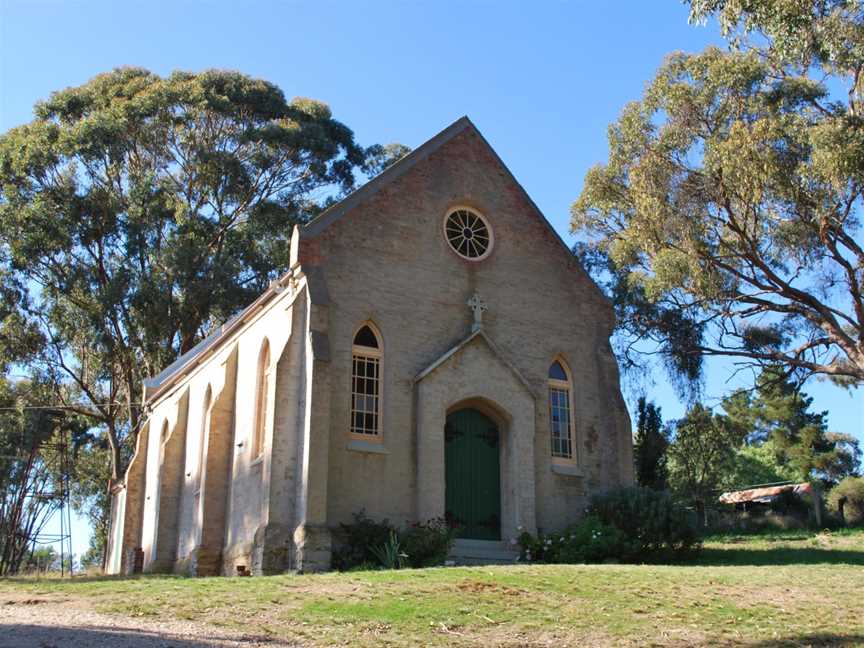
(765,494)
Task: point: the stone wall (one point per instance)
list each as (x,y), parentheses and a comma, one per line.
(476,376)
(387,262)
(274,543)
(201,397)
(170,480)
(251,478)
(211,518)
(136,486)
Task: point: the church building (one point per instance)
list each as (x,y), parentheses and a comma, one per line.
(434,350)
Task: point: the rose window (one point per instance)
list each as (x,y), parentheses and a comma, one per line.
(468,234)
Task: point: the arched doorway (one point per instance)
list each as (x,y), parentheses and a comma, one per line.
(472,459)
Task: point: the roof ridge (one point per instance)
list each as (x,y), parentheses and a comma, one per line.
(335,212)
(398,168)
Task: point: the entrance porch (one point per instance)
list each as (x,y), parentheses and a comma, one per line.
(483,477)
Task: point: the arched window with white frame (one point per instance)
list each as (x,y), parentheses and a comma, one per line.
(367,353)
(561,427)
(261,396)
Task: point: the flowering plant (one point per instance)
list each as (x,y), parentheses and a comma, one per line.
(589,540)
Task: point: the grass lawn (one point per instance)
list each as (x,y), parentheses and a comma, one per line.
(786,589)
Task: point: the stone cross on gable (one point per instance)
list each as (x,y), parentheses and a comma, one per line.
(478,307)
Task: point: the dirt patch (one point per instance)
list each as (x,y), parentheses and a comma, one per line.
(24,625)
(773,596)
(352,589)
(479,587)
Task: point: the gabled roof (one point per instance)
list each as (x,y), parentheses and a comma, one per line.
(476,334)
(391,173)
(155,381)
(333,214)
(397,169)
(156,385)
(405,164)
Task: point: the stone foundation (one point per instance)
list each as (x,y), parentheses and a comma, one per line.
(161,566)
(314,548)
(206,562)
(272,550)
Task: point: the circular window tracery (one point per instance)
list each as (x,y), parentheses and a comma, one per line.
(468,234)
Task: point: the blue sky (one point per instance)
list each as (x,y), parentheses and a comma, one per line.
(541,80)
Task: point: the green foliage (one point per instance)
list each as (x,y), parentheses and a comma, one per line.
(137,212)
(43,560)
(649,446)
(654,526)
(30,465)
(757,464)
(849,492)
(366,542)
(637,524)
(91,473)
(765,436)
(726,220)
(588,541)
(427,544)
(94,555)
(379,157)
(822,33)
(777,417)
(702,454)
(390,554)
(359,540)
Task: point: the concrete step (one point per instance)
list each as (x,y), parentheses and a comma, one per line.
(482,552)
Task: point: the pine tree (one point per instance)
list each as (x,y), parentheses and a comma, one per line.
(778,416)
(649,449)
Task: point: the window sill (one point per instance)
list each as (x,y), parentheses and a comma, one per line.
(358,445)
(567,469)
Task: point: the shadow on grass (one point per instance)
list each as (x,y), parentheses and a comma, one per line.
(27,579)
(814,639)
(780,556)
(37,636)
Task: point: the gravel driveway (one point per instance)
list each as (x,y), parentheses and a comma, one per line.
(43,623)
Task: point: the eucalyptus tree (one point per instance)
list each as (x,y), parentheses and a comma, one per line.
(31,479)
(726,221)
(137,210)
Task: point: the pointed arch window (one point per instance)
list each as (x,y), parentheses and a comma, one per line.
(560,413)
(366,356)
(261,396)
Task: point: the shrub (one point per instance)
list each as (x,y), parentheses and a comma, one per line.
(359,541)
(850,492)
(590,540)
(366,542)
(427,543)
(654,527)
(390,554)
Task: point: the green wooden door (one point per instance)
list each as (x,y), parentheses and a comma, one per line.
(473,476)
